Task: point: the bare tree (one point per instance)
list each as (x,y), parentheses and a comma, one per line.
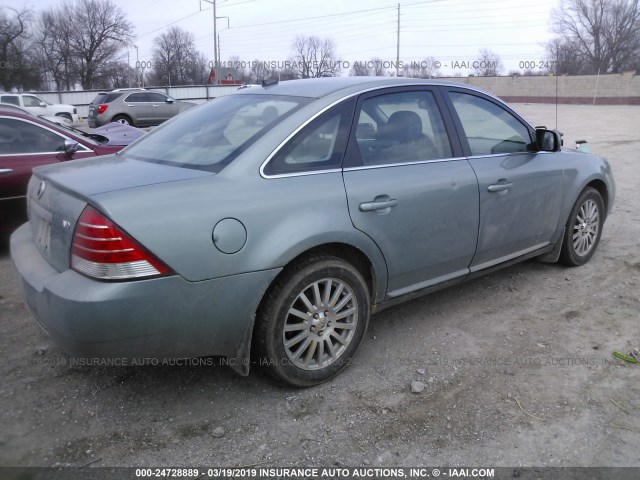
(359,69)
(53,40)
(426,68)
(375,67)
(17,61)
(487,64)
(563,57)
(315,57)
(119,75)
(175,59)
(100,30)
(261,70)
(605,34)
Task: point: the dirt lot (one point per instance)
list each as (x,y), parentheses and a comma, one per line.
(517,367)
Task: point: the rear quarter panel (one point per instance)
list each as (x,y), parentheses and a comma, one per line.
(282,217)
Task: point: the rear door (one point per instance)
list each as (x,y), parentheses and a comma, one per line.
(520,189)
(410,189)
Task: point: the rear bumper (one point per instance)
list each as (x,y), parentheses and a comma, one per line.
(158,319)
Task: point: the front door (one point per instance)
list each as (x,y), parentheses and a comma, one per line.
(520,189)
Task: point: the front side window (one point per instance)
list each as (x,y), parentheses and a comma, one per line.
(21,137)
(156,97)
(210,136)
(401,127)
(489,129)
(31,101)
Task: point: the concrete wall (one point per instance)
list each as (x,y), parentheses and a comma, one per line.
(612,89)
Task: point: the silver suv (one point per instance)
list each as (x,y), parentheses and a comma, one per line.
(137,107)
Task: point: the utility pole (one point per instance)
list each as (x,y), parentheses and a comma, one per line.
(215,39)
(137,67)
(398,45)
(215,43)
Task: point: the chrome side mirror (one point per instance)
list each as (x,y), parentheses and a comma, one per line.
(70,146)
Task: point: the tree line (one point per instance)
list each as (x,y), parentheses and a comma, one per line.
(88,43)
(74,42)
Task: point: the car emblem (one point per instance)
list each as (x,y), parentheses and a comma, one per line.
(66,224)
(41,188)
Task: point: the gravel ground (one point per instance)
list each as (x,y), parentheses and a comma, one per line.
(515,369)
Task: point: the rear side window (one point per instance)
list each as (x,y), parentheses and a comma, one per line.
(11,99)
(110,97)
(490,129)
(99,99)
(401,127)
(318,146)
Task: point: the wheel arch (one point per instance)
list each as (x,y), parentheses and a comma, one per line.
(347,252)
(122,115)
(602,189)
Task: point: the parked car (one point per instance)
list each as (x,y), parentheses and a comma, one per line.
(34,104)
(27,141)
(274,243)
(134,106)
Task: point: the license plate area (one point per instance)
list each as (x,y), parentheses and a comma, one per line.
(41,223)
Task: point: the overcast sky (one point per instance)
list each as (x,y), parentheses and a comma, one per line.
(451,31)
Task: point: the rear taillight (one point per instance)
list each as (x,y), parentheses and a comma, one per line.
(104,251)
(102,108)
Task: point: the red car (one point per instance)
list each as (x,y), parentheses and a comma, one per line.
(27,141)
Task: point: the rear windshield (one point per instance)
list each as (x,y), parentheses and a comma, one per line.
(108,98)
(212,135)
(99,99)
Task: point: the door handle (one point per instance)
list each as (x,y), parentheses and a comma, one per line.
(4,171)
(500,187)
(378,205)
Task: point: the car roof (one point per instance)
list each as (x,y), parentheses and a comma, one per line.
(320,87)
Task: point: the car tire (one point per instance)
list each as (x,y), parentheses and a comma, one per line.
(312,321)
(65,115)
(123,119)
(583,229)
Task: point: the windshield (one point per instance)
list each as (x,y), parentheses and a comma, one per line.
(210,136)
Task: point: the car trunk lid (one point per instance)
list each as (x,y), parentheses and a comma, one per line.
(57,195)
